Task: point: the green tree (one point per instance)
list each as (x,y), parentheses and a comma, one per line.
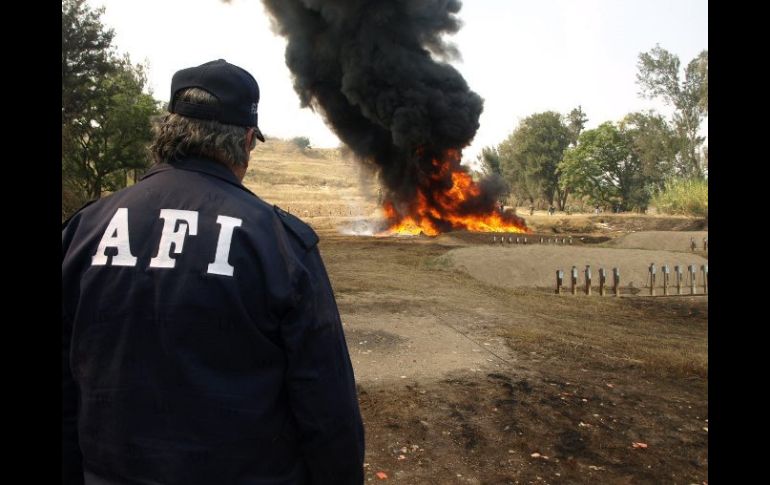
(529,158)
(105,110)
(576,121)
(655,143)
(489,161)
(111,136)
(85,56)
(658,76)
(301,142)
(604,168)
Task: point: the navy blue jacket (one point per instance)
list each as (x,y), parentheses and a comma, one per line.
(201,341)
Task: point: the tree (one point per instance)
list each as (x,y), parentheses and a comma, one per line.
(301,142)
(576,121)
(105,111)
(654,142)
(112,134)
(529,158)
(489,161)
(658,76)
(85,56)
(604,167)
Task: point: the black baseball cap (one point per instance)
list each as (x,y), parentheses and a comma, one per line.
(236,90)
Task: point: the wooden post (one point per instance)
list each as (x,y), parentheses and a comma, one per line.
(602,281)
(652,279)
(541,239)
(705,270)
(517,240)
(574,280)
(494,239)
(559,281)
(570,239)
(692,279)
(705,244)
(665,279)
(678,271)
(510,240)
(692,244)
(588,280)
(525,240)
(616,281)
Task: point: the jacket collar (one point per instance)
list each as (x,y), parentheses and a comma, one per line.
(198,164)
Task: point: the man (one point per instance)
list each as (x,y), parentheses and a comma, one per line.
(201,340)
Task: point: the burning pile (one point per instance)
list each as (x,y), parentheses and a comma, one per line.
(377,71)
(447,199)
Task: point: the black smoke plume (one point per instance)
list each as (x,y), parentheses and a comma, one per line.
(367,66)
(377,71)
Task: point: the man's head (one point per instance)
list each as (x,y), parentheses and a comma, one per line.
(212,113)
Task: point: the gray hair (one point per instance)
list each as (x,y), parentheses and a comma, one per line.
(179,136)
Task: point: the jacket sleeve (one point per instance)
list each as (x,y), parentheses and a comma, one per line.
(72,459)
(321,384)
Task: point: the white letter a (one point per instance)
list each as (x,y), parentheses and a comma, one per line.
(115,236)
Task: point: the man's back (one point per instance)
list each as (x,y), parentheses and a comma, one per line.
(205,342)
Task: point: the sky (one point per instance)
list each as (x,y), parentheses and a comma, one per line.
(521,56)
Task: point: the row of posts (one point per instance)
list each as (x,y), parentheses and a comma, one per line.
(691,272)
(616,280)
(525,240)
(602,281)
(694,246)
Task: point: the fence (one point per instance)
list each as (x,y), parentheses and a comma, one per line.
(693,282)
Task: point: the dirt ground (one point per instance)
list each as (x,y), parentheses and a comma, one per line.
(463,379)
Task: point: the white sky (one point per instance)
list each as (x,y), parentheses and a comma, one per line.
(521,56)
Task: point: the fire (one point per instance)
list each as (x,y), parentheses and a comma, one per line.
(448,199)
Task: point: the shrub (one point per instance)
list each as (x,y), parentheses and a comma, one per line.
(683,196)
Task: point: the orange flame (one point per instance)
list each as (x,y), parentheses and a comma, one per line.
(449,199)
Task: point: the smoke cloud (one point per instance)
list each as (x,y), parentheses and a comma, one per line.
(377,71)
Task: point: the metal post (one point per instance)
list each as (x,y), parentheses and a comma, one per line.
(588,280)
(692,243)
(570,239)
(692,279)
(541,239)
(574,280)
(652,279)
(705,244)
(525,240)
(616,281)
(705,270)
(665,279)
(559,281)
(678,271)
(602,280)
